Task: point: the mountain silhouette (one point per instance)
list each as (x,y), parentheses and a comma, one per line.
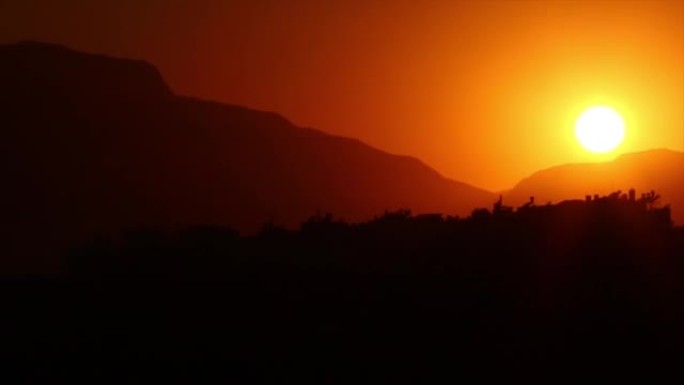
(93,144)
(660,170)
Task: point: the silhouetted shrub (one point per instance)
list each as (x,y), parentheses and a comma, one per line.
(594,282)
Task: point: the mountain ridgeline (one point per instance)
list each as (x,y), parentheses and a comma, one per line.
(148,210)
(93,144)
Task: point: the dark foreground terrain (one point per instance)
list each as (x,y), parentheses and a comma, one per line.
(583,287)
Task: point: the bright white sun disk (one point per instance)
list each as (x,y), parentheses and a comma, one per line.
(600,129)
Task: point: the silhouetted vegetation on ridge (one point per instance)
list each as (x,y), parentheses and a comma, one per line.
(582,285)
(386,243)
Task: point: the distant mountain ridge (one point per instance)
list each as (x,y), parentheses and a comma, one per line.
(659,170)
(93,144)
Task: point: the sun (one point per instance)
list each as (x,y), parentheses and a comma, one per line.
(600,129)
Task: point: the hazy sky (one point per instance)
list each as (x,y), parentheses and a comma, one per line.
(485,92)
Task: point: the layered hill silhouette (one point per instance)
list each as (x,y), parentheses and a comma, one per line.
(659,170)
(93,144)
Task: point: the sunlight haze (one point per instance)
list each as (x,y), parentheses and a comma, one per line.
(486,92)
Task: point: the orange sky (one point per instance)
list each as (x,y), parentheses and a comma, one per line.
(485,92)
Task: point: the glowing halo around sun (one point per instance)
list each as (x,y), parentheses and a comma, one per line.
(600,129)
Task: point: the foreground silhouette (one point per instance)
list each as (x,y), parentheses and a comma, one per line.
(92,144)
(586,285)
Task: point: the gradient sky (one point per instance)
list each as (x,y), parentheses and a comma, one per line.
(484,92)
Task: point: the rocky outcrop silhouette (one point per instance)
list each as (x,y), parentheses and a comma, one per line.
(659,170)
